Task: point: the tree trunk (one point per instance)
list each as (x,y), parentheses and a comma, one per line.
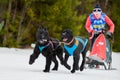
(106,3)
(7,22)
(19,37)
(15,11)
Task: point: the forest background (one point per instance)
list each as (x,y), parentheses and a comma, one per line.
(23,17)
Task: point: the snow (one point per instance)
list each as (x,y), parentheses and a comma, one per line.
(14,66)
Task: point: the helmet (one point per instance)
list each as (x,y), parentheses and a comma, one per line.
(97,8)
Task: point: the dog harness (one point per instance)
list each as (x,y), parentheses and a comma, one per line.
(71,50)
(43,47)
(50,43)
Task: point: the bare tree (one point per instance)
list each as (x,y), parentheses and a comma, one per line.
(20,25)
(7,22)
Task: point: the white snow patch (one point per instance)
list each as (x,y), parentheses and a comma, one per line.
(14,66)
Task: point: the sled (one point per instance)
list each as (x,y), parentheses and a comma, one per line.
(101,53)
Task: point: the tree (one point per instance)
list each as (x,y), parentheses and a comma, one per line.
(116,19)
(23,17)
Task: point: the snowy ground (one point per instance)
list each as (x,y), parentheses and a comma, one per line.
(14,66)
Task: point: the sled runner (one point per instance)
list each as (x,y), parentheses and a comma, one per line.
(101,53)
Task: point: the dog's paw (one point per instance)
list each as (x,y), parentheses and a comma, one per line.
(45,70)
(72,71)
(81,68)
(68,67)
(31,59)
(62,63)
(77,68)
(55,69)
(31,62)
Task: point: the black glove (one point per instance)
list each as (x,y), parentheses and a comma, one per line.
(109,35)
(90,34)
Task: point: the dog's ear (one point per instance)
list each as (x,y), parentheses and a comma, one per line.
(45,28)
(39,29)
(40,26)
(64,31)
(70,31)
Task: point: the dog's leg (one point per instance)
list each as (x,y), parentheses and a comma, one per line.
(65,62)
(75,62)
(56,63)
(84,58)
(34,55)
(48,63)
(83,61)
(32,58)
(60,54)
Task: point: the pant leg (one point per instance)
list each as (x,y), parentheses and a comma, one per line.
(93,40)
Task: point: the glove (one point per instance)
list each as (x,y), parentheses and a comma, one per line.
(90,34)
(109,35)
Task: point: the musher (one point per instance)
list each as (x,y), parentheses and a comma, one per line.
(95,25)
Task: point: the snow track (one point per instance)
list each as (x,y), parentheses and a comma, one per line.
(14,66)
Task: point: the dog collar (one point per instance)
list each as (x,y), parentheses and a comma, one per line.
(69,42)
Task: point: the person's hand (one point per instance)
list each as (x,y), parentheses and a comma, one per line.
(109,35)
(91,34)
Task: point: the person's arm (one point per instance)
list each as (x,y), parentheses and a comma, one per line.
(110,23)
(87,25)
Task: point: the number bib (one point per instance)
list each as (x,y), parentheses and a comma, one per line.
(98,27)
(97,24)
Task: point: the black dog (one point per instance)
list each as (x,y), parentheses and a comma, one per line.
(49,47)
(74,46)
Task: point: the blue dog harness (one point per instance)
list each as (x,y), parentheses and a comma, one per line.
(71,50)
(41,48)
(51,44)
